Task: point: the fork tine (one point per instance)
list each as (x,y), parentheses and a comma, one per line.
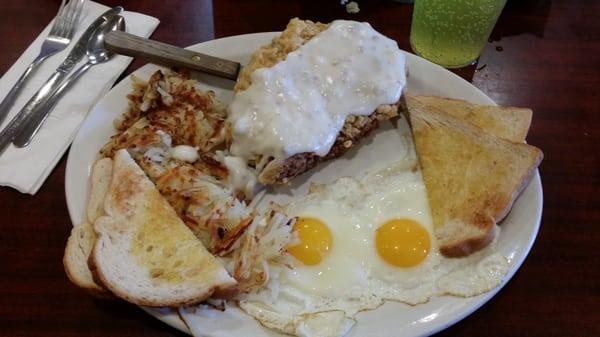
(67,18)
(63,19)
(57,19)
(75,18)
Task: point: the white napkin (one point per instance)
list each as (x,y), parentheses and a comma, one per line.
(26,169)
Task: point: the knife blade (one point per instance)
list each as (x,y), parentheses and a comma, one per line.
(41,96)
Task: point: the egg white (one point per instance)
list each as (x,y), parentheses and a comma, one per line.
(353,210)
(352,276)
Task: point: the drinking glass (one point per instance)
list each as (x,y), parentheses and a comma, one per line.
(452,33)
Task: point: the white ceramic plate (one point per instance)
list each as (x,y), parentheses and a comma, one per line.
(519,229)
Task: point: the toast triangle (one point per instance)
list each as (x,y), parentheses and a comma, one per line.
(144,253)
(472,176)
(510,123)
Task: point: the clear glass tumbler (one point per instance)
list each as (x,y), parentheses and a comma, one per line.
(452,33)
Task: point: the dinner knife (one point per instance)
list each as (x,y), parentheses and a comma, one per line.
(168,55)
(41,96)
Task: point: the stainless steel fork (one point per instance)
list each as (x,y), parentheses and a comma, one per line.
(58,39)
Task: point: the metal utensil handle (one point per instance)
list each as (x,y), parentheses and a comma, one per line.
(10,131)
(33,124)
(42,95)
(165,54)
(14,92)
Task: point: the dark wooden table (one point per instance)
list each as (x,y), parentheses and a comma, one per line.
(542,54)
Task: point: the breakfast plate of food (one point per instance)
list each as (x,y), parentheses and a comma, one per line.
(340,187)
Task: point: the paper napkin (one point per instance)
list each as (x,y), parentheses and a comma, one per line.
(26,169)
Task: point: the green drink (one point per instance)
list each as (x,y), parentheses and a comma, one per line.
(452,33)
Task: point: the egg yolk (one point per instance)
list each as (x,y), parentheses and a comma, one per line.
(402,242)
(315,241)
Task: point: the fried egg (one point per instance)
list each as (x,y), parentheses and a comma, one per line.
(363,226)
(358,243)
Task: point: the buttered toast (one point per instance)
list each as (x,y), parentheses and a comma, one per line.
(472,175)
(144,253)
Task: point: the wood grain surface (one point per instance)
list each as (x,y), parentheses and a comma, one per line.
(542,54)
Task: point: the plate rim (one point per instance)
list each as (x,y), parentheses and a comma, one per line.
(172,318)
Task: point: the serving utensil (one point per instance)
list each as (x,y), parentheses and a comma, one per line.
(96,54)
(41,96)
(168,55)
(58,39)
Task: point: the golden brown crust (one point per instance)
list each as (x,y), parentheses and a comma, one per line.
(466,246)
(93,289)
(75,258)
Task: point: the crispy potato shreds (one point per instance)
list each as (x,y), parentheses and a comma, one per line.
(141,134)
(208,163)
(226,238)
(209,209)
(171,102)
(134,101)
(169,110)
(195,191)
(264,240)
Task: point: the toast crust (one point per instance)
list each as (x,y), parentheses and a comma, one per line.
(78,248)
(82,238)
